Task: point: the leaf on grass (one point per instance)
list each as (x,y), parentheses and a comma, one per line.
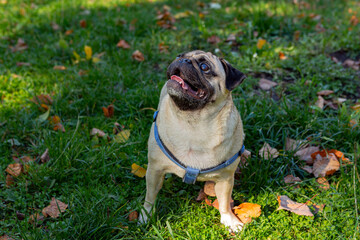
(26,159)
(20,46)
(59,127)
(201,196)
(20,64)
(54,209)
(246,211)
(108,111)
(36,218)
(320,102)
(59,67)
(296,35)
(163,48)
(266,84)
(293,145)
(213,39)
(289,179)
(45,157)
(117,128)
(267,152)
(69,32)
(244,158)
(298,208)
(9,180)
(184,14)
(54,119)
(352,64)
(123,44)
(260,43)
(83,23)
(324,166)
(138,56)
(209,188)
(323,183)
(308,169)
(165,19)
(14,169)
(305,154)
(42,99)
(133,216)
(122,136)
(55,26)
(340,155)
(325,92)
(231,38)
(282,56)
(354,20)
(97,132)
(43,117)
(6,237)
(138,170)
(88,52)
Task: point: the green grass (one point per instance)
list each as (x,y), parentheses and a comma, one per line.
(96,180)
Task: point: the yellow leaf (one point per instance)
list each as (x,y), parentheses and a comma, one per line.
(122,136)
(88,52)
(260,43)
(95,59)
(76,55)
(137,170)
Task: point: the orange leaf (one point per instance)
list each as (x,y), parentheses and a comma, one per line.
(123,44)
(108,111)
(54,120)
(69,32)
(163,48)
(354,20)
(323,183)
(260,43)
(14,169)
(137,170)
(82,23)
(282,56)
(246,211)
(60,67)
(326,165)
(133,216)
(58,127)
(138,56)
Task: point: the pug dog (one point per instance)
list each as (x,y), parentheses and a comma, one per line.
(196,130)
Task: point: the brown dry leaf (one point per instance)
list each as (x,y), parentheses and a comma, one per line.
(305,154)
(209,188)
(138,56)
(325,92)
(324,166)
(26,159)
(340,100)
(352,64)
(356,107)
(35,218)
(9,180)
(133,216)
(45,157)
(215,203)
(83,23)
(296,35)
(289,179)
(246,211)
(320,102)
(69,32)
(6,237)
(137,170)
(58,127)
(14,169)
(97,132)
(213,39)
(354,20)
(202,195)
(54,209)
(308,169)
(55,26)
(282,56)
(244,158)
(83,72)
(267,152)
(231,38)
(266,84)
(20,64)
(353,123)
(108,111)
(42,99)
(123,44)
(163,48)
(292,145)
(59,67)
(298,208)
(320,28)
(20,46)
(260,43)
(165,19)
(54,119)
(117,128)
(324,184)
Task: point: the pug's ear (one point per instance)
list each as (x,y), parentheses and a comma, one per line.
(233,76)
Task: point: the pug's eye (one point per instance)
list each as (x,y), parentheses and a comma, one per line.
(204,67)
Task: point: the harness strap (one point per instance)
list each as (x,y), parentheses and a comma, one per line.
(191,174)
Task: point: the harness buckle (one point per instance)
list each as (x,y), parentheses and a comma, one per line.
(190,175)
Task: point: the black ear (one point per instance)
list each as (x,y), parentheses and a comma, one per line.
(233,76)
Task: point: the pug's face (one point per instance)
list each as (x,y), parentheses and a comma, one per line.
(198,78)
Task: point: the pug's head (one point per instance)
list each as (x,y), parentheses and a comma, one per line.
(199,78)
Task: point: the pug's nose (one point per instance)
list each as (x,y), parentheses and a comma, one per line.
(184,60)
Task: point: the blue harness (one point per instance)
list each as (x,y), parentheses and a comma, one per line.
(191,174)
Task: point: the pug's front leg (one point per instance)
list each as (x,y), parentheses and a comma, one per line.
(154,182)
(223,190)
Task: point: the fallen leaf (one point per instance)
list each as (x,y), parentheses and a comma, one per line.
(231,38)
(20,64)
(54,209)
(260,43)
(97,132)
(42,99)
(324,166)
(352,64)
(122,136)
(6,237)
(117,128)
(108,111)
(60,67)
(165,19)
(354,20)
(69,32)
(20,46)
(282,56)
(137,170)
(55,26)
(163,48)
(58,127)
(54,120)
(201,196)
(14,169)
(353,123)
(298,208)
(83,72)
(9,180)
(246,211)
(324,184)
(244,158)
(83,23)
(308,169)
(133,216)
(293,145)
(340,100)
(305,154)
(325,92)
(266,84)
(184,14)
(26,159)
(318,208)
(209,188)
(320,28)
(88,52)
(36,218)
(213,39)
(45,157)
(320,102)
(289,179)
(296,35)
(267,152)
(138,56)
(123,44)
(323,153)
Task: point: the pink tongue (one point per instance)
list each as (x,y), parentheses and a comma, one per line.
(180,81)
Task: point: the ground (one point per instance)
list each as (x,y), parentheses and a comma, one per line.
(306,49)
